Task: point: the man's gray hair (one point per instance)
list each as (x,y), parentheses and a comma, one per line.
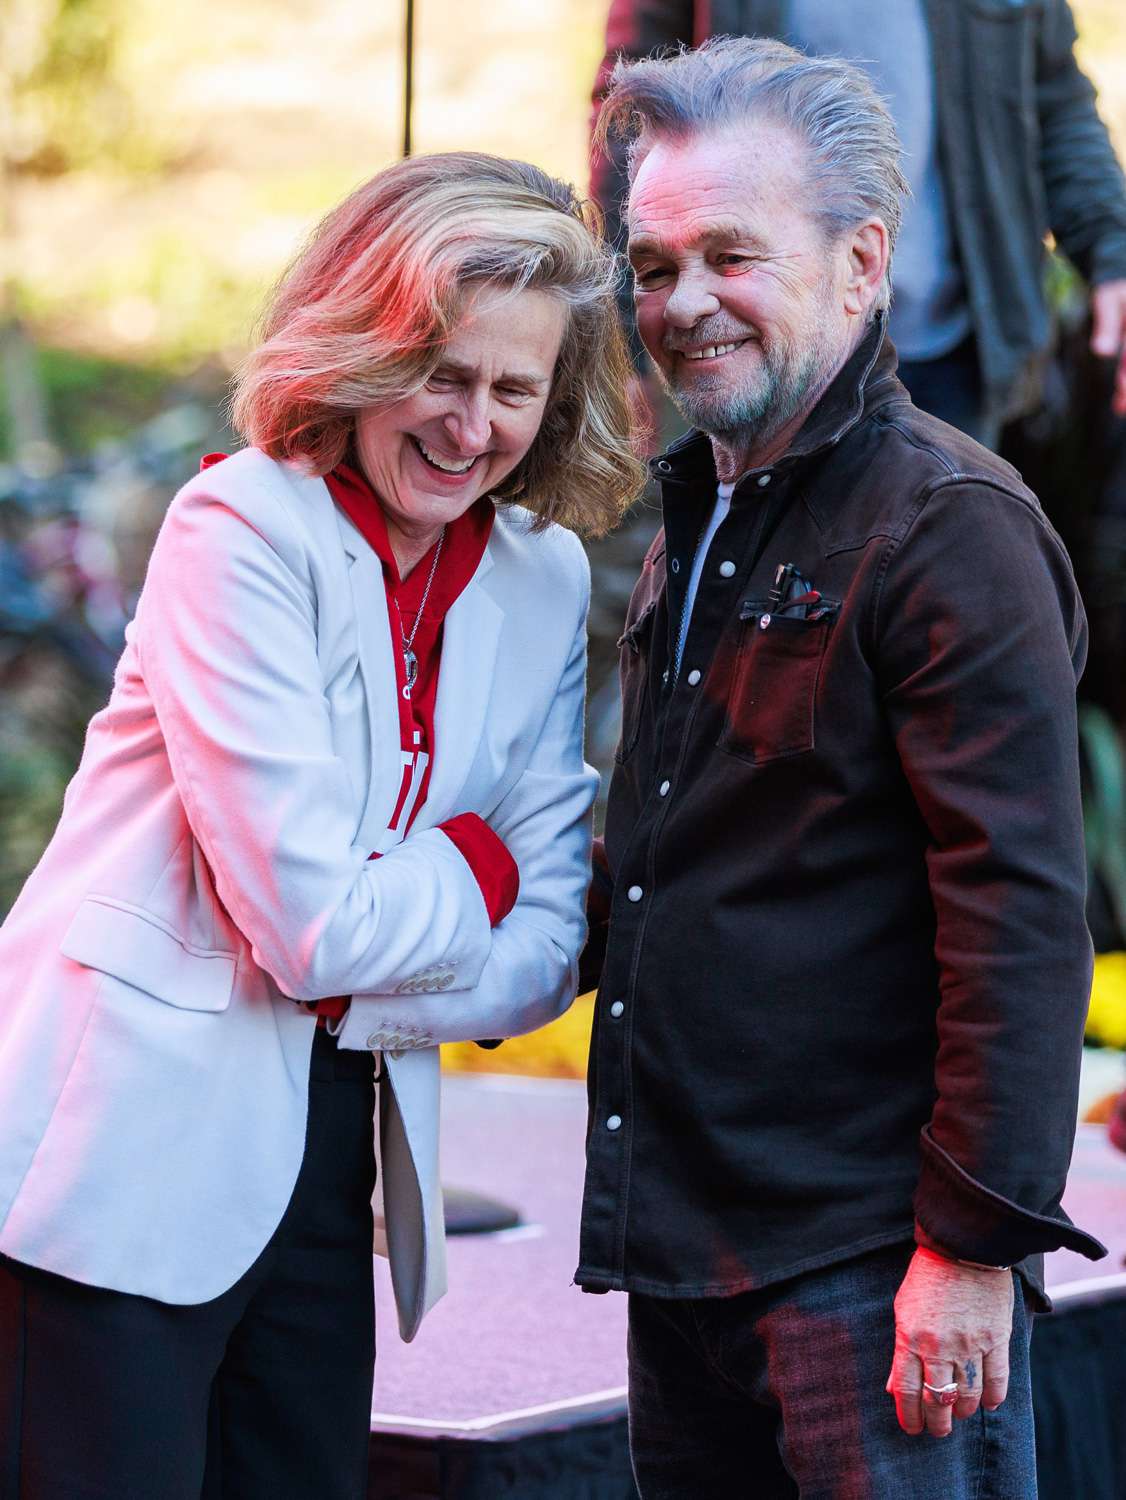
(854,166)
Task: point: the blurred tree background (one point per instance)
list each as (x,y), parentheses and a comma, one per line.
(163,160)
(160,161)
(159,164)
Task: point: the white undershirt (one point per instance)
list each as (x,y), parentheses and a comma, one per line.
(718,516)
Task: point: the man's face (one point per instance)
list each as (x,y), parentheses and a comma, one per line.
(739,297)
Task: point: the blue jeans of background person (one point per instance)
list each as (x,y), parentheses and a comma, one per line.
(950,388)
(780,1393)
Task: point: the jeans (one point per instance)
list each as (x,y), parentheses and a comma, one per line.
(950,388)
(779,1392)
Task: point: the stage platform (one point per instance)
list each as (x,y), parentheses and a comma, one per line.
(515,1387)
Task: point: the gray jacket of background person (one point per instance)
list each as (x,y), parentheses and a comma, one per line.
(1023,150)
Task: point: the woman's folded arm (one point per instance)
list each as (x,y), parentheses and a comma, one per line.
(227,639)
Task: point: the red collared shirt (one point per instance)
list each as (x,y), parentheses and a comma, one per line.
(462,549)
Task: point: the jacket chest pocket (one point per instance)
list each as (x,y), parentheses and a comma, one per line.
(1002,37)
(770,706)
(634,664)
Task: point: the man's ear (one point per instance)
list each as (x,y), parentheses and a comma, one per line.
(869,251)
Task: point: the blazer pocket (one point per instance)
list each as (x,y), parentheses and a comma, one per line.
(131,944)
(770,707)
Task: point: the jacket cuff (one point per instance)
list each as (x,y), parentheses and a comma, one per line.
(971,1222)
(1106,260)
(927,1242)
(487,856)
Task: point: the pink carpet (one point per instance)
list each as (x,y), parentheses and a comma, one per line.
(515,1346)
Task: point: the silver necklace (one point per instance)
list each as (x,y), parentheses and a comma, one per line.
(410,660)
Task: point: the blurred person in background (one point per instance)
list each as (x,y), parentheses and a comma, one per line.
(1003,146)
(334,813)
(842,954)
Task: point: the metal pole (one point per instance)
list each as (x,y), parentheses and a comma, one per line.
(408,77)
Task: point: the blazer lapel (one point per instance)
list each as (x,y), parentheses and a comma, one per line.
(369,600)
(465,682)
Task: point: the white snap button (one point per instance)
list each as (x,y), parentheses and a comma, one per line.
(663,789)
(617,1009)
(764,480)
(374,1042)
(635,893)
(675,565)
(693,677)
(614,1122)
(727,569)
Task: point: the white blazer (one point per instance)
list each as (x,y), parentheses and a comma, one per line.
(212,861)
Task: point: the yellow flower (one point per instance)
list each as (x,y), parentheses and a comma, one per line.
(555,1051)
(1106,1020)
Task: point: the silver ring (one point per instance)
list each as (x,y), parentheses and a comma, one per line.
(942,1395)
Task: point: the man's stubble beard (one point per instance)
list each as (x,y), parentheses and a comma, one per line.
(791,380)
(749,418)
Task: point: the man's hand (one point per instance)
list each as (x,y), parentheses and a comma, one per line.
(1108,334)
(599,896)
(952,1323)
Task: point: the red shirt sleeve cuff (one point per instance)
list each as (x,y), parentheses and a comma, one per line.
(487,856)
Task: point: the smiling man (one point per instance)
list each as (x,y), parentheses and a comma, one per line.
(845,968)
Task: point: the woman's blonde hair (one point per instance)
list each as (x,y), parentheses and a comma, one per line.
(361,316)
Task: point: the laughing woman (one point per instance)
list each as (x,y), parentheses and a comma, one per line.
(334,813)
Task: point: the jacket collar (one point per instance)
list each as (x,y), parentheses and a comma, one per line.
(865,380)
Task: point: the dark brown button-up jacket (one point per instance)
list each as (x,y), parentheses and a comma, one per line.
(847,966)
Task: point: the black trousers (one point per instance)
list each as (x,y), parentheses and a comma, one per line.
(263,1393)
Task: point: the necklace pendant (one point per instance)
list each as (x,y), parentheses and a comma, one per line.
(410,663)
(410,660)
